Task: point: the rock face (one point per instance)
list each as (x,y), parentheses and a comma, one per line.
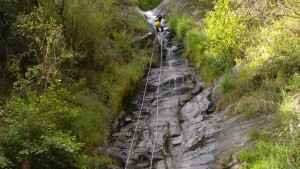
(190,135)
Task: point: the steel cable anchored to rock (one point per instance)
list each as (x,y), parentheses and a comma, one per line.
(176,126)
(157,101)
(140,112)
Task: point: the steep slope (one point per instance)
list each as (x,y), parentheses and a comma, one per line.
(190,133)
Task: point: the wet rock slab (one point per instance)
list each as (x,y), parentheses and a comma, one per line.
(190,135)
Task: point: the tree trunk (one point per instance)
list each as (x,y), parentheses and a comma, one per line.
(3,50)
(26,164)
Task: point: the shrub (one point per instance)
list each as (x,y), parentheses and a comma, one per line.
(68,40)
(225,34)
(180,24)
(38,129)
(279,148)
(146,4)
(92,126)
(195,42)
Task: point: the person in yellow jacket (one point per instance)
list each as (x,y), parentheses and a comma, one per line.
(158,23)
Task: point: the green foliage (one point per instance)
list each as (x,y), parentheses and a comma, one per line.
(259,134)
(104,160)
(119,80)
(272,152)
(227,83)
(266,68)
(46,51)
(290,108)
(92,31)
(215,46)
(263,100)
(92,125)
(146,4)
(206,1)
(122,48)
(225,33)
(38,129)
(258,41)
(280,150)
(101,162)
(50,127)
(4,162)
(196,42)
(265,78)
(181,24)
(136,23)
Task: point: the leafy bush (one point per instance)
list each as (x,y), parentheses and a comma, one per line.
(261,101)
(146,4)
(195,42)
(4,162)
(92,125)
(215,47)
(137,24)
(90,45)
(267,65)
(225,34)
(46,51)
(120,80)
(279,149)
(38,129)
(259,43)
(181,24)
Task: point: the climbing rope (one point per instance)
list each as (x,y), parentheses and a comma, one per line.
(157,96)
(140,112)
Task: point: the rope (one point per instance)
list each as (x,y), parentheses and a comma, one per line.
(137,123)
(155,134)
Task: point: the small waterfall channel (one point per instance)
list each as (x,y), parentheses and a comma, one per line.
(190,134)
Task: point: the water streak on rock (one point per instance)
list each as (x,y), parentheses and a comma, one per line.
(190,134)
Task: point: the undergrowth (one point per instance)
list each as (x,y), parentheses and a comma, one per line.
(279,149)
(146,4)
(255,48)
(68,67)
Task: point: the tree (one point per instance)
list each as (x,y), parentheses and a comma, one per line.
(46,50)
(36,131)
(225,33)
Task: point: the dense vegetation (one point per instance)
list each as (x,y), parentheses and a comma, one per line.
(146,4)
(254,45)
(65,68)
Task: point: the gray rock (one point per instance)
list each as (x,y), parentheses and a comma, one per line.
(186,131)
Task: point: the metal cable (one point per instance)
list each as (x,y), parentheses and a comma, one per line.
(137,123)
(157,97)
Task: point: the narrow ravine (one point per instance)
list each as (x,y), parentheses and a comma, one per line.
(190,134)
